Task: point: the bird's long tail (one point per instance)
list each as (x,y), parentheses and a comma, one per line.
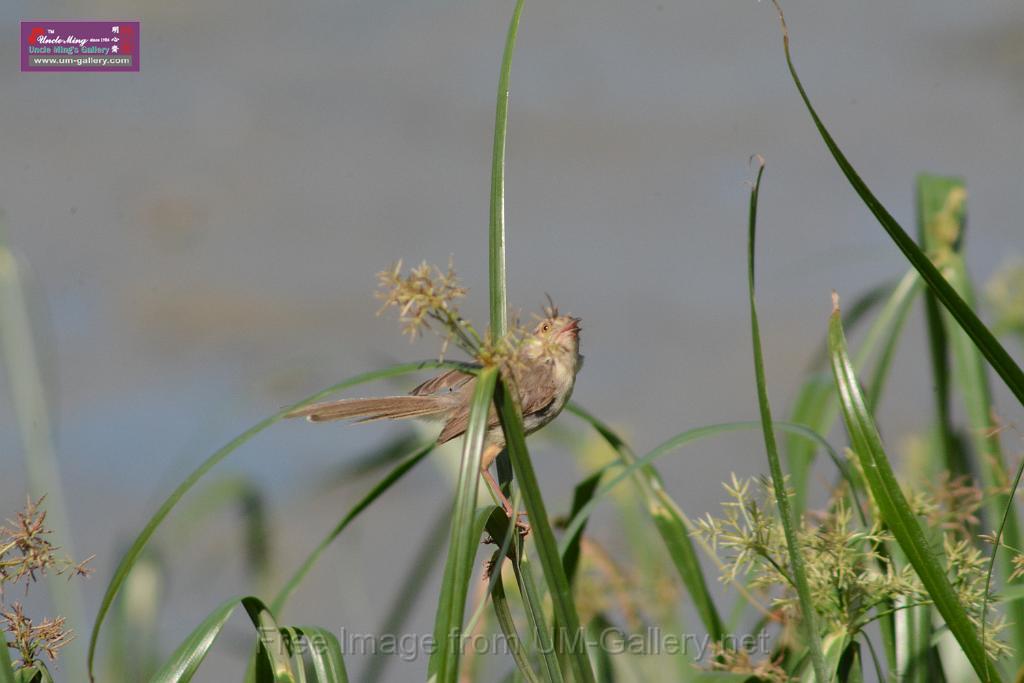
(369,409)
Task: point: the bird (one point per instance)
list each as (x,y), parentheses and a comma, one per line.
(544,375)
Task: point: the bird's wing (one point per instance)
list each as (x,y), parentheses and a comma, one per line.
(536,392)
(452,380)
(537,388)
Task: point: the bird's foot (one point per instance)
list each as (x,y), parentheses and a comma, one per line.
(522,525)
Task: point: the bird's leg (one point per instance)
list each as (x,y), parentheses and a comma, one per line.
(490,453)
(506,504)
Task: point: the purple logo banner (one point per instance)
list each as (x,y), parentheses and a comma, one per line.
(101,45)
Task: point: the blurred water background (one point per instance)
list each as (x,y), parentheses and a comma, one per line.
(201,238)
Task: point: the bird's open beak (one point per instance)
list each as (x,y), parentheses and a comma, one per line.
(573,327)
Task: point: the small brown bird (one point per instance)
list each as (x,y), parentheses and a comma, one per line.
(545,377)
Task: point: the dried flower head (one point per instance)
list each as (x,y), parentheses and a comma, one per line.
(34,640)
(25,550)
(427,294)
(426,299)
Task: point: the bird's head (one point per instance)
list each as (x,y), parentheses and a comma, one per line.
(557,337)
(563,330)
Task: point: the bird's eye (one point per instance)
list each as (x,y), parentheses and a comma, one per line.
(545,327)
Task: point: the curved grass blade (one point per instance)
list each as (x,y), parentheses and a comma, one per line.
(895,511)
(444,664)
(190,654)
(130,557)
(569,636)
(789,522)
(383,485)
(997,356)
(508,627)
(496,232)
(294,642)
(272,645)
(534,604)
(322,649)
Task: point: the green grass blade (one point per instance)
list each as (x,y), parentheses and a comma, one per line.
(452,640)
(464,542)
(33,674)
(378,490)
(130,557)
(534,603)
(583,494)
(569,633)
(6,666)
(182,665)
(272,645)
(997,356)
(293,637)
(851,668)
(508,627)
(496,260)
(816,404)
(500,527)
(853,315)
(895,512)
(324,653)
(789,522)
(604,668)
(930,199)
